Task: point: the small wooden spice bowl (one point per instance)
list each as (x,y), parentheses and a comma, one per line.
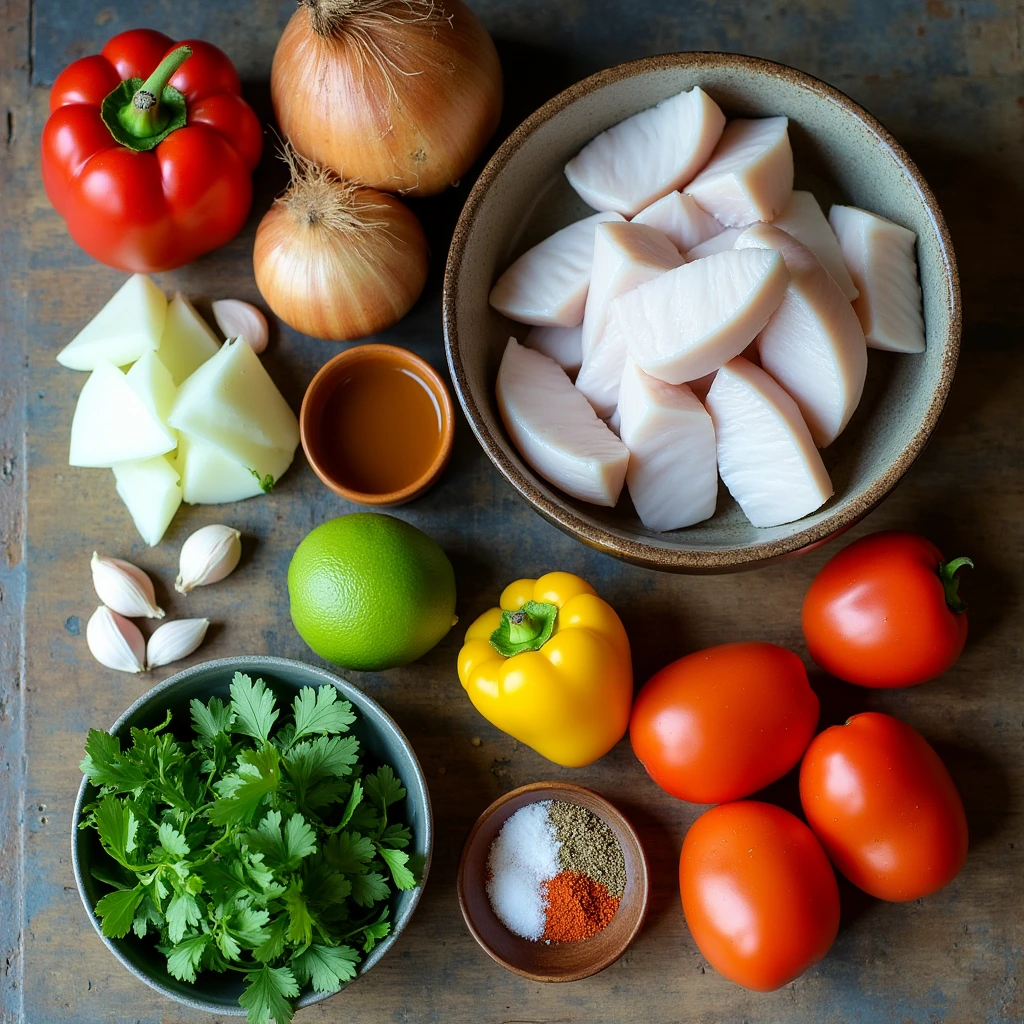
(557,961)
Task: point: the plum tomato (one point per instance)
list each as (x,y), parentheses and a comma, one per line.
(885,612)
(758,892)
(724,722)
(884,807)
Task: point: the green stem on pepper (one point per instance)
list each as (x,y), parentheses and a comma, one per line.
(951,585)
(526,629)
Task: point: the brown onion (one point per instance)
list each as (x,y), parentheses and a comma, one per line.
(401,95)
(336,260)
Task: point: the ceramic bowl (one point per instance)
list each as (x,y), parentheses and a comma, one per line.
(538,961)
(315,439)
(381,740)
(842,154)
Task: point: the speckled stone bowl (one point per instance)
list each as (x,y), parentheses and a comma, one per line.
(382,742)
(842,155)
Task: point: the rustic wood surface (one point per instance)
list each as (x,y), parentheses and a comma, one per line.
(946,78)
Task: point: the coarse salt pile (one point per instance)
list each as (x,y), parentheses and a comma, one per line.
(555,872)
(522,858)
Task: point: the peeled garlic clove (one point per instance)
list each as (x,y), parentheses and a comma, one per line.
(124,588)
(115,641)
(207,556)
(238,319)
(175,640)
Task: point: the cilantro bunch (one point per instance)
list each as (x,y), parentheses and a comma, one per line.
(251,849)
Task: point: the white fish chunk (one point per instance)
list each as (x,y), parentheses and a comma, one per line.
(766,455)
(716,243)
(563,344)
(802,218)
(625,255)
(647,155)
(555,429)
(750,175)
(690,321)
(601,374)
(702,385)
(880,257)
(548,284)
(672,474)
(813,344)
(681,219)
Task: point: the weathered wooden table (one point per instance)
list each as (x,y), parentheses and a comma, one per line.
(947,79)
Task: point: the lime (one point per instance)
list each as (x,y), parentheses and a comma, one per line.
(369,591)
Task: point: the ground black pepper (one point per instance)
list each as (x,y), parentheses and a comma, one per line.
(588,846)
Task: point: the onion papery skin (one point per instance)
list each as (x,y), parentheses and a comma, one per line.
(341,285)
(333,103)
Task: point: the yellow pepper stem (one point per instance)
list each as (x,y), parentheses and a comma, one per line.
(526,629)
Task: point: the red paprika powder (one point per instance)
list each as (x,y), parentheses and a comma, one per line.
(577,907)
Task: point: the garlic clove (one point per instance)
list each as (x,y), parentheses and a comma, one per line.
(124,588)
(175,640)
(238,319)
(115,641)
(208,556)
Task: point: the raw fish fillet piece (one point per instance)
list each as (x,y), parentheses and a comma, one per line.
(716,243)
(766,454)
(702,385)
(750,175)
(555,430)
(548,284)
(802,218)
(672,475)
(692,320)
(625,255)
(563,344)
(648,155)
(880,257)
(812,344)
(601,375)
(681,219)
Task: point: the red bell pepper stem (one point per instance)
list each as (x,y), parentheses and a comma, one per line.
(947,574)
(144,116)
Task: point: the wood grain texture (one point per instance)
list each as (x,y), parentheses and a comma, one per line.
(948,80)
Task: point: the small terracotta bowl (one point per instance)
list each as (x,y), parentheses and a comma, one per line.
(331,376)
(559,961)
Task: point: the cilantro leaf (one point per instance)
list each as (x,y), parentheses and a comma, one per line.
(241,793)
(348,852)
(248,925)
(266,995)
(299,840)
(326,755)
(212,719)
(354,799)
(282,849)
(320,711)
(182,913)
(117,827)
(396,860)
(369,889)
(328,967)
(273,945)
(300,922)
(172,840)
(183,960)
(117,909)
(395,835)
(380,929)
(253,707)
(383,788)
(105,765)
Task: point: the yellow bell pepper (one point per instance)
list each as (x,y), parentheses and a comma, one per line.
(552,668)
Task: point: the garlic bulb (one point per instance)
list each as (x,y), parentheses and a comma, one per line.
(124,588)
(336,260)
(115,641)
(208,556)
(238,319)
(175,640)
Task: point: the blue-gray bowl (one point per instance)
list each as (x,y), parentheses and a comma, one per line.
(380,738)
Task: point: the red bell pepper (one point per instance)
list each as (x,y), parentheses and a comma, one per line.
(149,150)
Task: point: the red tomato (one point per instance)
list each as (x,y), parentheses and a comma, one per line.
(884,807)
(143,207)
(758,893)
(724,722)
(884,612)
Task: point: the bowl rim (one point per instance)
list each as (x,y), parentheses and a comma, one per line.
(684,559)
(393,354)
(256,663)
(611,811)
